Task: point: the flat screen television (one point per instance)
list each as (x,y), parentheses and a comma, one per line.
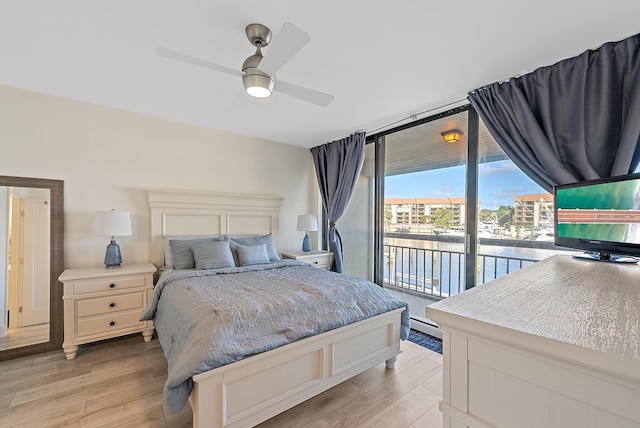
(600,217)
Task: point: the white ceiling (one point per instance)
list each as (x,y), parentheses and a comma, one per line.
(383,61)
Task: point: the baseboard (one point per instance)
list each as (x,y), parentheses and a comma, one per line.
(427,328)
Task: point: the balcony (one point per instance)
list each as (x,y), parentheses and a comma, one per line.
(422,269)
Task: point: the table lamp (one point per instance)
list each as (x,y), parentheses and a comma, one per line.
(112,223)
(307,223)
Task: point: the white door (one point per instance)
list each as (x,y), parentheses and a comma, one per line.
(4,247)
(36,281)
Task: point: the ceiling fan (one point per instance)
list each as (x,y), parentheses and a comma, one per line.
(260,82)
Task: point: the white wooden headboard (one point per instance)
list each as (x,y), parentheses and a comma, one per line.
(186,212)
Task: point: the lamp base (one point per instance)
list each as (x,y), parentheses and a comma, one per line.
(112,258)
(306,243)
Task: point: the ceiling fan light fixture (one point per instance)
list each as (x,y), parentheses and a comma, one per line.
(259,73)
(452,136)
(257,84)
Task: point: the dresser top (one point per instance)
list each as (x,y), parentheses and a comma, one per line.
(590,304)
(101,271)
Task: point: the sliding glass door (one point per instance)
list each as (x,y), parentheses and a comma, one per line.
(515,217)
(439,208)
(424,210)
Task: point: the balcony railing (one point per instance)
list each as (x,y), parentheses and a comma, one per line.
(438,273)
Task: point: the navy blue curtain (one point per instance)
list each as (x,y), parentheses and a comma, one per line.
(338,166)
(572,121)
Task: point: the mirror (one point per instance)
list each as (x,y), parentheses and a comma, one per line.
(31,259)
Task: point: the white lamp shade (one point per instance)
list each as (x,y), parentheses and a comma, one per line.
(112,223)
(307,223)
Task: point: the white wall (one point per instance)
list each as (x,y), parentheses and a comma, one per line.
(108,158)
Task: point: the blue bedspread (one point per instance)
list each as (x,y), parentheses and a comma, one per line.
(208,318)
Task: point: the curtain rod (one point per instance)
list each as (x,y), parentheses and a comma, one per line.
(442,107)
(415,115)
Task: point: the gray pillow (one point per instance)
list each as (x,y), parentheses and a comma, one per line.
(213,255)
(168,258)
(252,255)
(182,251)
(267,240)
(234,249)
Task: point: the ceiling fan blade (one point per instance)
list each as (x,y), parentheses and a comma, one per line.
(168,53)
(305,94)
(284,46)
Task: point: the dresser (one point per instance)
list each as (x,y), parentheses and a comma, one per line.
(556,344)
(318,258)
(102,303)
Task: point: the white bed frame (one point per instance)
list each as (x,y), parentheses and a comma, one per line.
(259,387)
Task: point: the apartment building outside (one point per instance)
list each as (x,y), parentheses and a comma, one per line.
(530,211)
(414,211)
(533,210)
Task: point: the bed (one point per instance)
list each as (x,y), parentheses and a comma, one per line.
(250,389)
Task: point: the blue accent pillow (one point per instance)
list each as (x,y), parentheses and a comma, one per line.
(267,240)
(213,255)
(252,255)
(182,252)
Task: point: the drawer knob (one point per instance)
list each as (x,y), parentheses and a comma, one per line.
(112,286)
(112,305)
(112,323)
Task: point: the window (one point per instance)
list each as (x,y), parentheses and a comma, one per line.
(357,224)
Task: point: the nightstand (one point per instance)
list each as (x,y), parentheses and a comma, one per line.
(102,303)
(318,258)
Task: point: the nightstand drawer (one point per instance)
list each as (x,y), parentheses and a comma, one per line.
(318,259)
(109,323)
(321,261)
(109,304)
(107,284)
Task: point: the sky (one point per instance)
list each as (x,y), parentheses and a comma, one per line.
(498,182)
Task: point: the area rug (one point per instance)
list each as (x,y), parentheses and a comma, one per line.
(425,340)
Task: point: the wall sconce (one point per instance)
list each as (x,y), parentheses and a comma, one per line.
(452,136)
(307,223)
(112,223)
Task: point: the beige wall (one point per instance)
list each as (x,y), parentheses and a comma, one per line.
(108,158)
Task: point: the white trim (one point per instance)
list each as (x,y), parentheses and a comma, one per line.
(426,328)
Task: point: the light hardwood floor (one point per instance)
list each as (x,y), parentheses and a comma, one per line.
(118,383)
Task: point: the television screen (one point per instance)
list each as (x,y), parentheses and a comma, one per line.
(600,216)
